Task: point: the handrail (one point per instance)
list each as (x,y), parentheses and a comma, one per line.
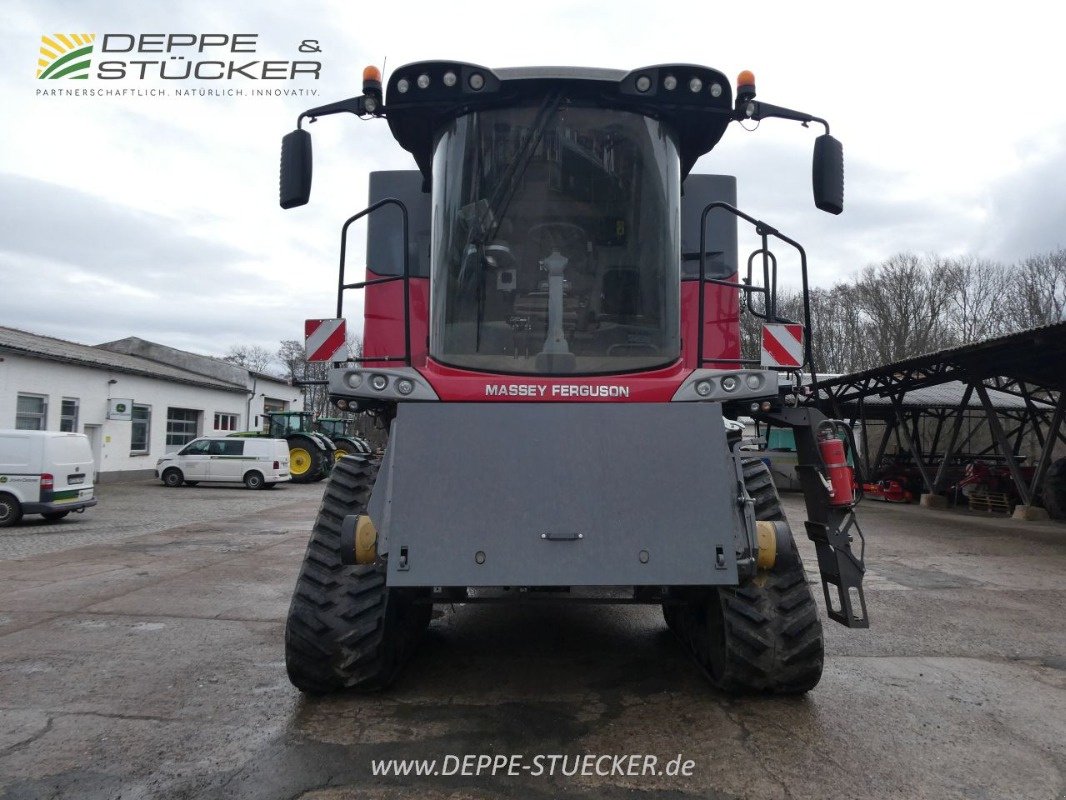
(768,289)
(406,278)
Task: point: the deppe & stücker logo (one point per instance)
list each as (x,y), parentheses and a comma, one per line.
(65,55)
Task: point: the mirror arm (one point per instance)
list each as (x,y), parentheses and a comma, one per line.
(353,105)
(755,110)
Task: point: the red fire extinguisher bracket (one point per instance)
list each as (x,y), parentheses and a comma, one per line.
(840,476)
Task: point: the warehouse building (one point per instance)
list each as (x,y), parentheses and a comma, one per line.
(135,400)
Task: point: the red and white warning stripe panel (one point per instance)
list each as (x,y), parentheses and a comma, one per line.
(782,345)
(325,340)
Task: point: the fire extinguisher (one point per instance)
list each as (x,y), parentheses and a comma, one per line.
(841,476)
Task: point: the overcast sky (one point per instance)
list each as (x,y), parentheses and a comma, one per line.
(158,217)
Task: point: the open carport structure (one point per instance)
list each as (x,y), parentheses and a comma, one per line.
(929,403)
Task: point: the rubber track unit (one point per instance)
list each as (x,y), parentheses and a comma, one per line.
(764,635)
(346,629)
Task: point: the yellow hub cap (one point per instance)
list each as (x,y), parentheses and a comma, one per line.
(339,453)
(299,461)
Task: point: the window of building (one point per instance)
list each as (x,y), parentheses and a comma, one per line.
(68,415)
(183,425)
(31,414)
(226,422)
(140,427)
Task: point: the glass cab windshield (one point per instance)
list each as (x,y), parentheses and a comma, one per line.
(555,241)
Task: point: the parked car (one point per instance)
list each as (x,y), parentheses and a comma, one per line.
(257,463)
(44,472)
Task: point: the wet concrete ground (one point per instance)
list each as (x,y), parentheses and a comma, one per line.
(152,666)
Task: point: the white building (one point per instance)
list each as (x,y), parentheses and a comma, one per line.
(135,400)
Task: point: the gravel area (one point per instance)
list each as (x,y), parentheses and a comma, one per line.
(126,510)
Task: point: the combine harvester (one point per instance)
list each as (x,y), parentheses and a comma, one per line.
(560,378)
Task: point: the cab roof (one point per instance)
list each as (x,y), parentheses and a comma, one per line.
(696,101)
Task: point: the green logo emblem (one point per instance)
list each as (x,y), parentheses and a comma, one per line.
(65,55)
(120,408)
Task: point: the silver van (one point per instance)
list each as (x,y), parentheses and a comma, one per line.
(44,472)
(257,463)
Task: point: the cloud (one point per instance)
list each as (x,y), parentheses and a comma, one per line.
(202,315)
(63,224)
(883,211)
(158,217)
(83,267)
(1025,210)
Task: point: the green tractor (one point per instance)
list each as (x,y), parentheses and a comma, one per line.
(340,431)
(311,454)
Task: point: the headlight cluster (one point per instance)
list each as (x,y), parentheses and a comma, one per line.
(672,80)
(436,80)
(377,384)
(730,383)
(724,385)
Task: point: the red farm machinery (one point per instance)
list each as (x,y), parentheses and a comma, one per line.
(552,344)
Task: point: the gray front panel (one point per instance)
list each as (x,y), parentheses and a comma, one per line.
(495,478)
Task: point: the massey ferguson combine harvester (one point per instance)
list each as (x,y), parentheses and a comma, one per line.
(552,341)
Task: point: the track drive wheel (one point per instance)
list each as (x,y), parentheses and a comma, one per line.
(765,634)
(346,629)
(305,460)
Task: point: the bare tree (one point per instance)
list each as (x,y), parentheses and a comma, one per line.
(976,308)
(299,370)
(249,356)
(1037,293)
(904,300)
(908,305)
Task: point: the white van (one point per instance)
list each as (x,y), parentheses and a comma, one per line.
(44,472)
(257,463)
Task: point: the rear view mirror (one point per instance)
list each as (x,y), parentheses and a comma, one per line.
(827,175)
(295,187)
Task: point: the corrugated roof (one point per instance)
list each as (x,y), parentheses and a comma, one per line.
(36,346)
(1035,355)
(949,395)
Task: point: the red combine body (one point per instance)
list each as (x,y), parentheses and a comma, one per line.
(552,343)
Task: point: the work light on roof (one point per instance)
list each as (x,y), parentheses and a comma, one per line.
(449,79)
(716,90)
(669,83)
(477,81)
(643,83)
(423,81)
(695,85)
(402,85)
